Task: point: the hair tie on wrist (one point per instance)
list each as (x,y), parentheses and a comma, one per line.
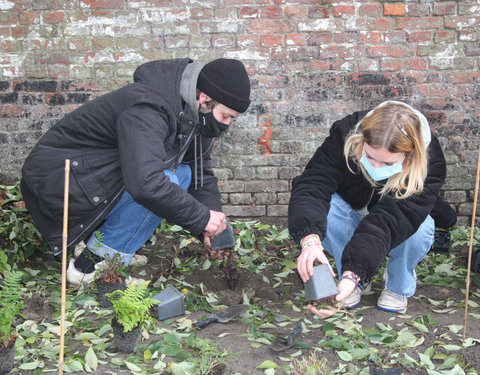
(352,277)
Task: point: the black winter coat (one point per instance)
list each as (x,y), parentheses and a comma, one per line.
(390,221)
(121,141)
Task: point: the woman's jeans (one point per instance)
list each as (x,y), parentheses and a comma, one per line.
(129,225)
(400,275)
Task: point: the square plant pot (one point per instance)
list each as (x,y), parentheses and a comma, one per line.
(170,305)
(225,240)
(321,286)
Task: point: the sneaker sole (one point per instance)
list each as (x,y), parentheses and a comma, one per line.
(392,310)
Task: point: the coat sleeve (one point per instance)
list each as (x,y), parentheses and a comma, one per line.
(391,221)
(313,189)
(205,189)
(142,130)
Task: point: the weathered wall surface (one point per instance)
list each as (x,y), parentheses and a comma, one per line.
(311,62)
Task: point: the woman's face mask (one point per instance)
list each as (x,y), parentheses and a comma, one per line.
(384,172)
(209,126)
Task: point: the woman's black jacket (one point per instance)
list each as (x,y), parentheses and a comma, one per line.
(390,221)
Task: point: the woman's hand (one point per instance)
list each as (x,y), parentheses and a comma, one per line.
(307,258)
(345,288)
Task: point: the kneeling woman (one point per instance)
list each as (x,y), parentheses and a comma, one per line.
(366,194)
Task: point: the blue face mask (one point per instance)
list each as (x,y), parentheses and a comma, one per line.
(380,173)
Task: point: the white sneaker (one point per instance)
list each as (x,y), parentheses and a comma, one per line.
(353,300)
(76,278)
(137,260)
(392,302)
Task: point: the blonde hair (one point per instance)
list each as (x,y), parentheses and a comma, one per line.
(396,128)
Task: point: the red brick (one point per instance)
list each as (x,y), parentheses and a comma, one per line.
(345,37)
(295,39)
(389,51)
(371,37)
(462,77)
(368,65)
(447,36)
(440,90)
(249,12)
(459,23)
(201,13)
(379,24)
(102,4)
(272,40)
(99,44)
(318,65)
(343,10)
(78,44)
(424,23)
(468,35)
(394,9)
(391,64)
(417,64)
(7,18)
(54,17)
(419,10)
(5,32)
(296,11)
(420,90)
(7,46)
(271,12)
(370,10)
(28,18)
(268,27)
(318,12)
(419,36)
(442,9)
(248,40)
(19,31)
(320,38)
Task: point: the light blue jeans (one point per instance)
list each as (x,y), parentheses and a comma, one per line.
(400,275)
(129,225)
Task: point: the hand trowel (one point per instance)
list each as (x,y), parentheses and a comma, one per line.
(223,316)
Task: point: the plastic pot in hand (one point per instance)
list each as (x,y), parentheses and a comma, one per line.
(321,286)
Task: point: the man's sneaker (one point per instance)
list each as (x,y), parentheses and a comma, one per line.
(137,260)
(392,302)
(353,300)
(76,278)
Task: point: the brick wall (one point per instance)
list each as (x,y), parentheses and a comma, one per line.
(311,62)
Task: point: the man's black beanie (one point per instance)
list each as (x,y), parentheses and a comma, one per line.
(226,81)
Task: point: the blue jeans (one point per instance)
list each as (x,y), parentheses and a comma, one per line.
(400,275)
(129,225)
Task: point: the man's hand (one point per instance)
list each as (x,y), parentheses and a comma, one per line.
(216,224)
(345,288)
(307,258)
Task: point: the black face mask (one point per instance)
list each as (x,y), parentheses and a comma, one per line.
(209,126)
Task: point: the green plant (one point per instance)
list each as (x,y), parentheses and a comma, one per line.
(310,365)
(19,237)
(11,304)
(112,269)
(132,306)
(461,236)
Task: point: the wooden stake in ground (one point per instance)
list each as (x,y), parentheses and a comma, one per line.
(64,264)
(470,245)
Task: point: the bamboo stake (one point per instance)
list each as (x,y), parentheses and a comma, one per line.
(64,264)
(470,246)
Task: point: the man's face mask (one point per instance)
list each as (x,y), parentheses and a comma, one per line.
(209,126)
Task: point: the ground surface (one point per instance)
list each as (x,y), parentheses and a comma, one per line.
(425,340)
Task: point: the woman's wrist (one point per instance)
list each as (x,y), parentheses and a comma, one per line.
(312,240)
(352,276)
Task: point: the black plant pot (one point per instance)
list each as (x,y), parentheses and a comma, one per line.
(104,288)
(125,342)
(7,359)
(386,371)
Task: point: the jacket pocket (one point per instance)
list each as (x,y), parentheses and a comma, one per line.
(85,192)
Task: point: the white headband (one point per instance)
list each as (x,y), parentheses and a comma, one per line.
(425,128)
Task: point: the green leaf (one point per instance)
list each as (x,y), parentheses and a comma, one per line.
(91,359)
(206,265)
(132,367)
(345,356)
(267,364)
(182,368)
(29,366)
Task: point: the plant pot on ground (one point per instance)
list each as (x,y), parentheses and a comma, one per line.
(110,276)
(10,306)
(132,311)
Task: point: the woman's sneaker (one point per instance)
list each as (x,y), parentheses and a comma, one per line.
(353,300)
(392,302)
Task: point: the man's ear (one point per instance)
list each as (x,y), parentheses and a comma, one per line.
(203,98)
